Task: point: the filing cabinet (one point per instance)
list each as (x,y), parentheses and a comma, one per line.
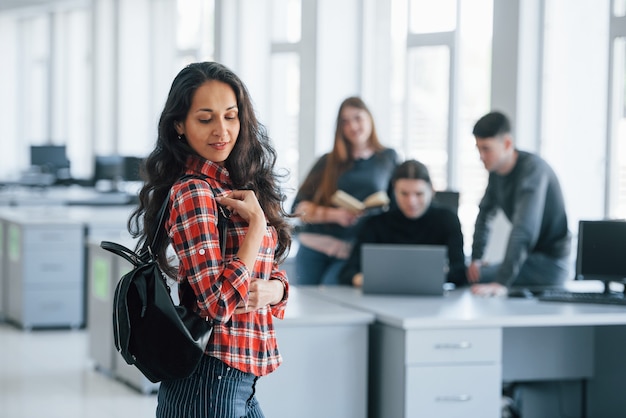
(104,271)
(444,373)
(44,272)
(3,292)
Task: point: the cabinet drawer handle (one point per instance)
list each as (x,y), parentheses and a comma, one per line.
(453,346)
(453,398)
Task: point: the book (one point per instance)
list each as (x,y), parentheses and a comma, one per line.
(347,201)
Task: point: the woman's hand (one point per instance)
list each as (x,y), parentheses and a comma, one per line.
(245,204)
(309,212)
(344,217)
(262,293)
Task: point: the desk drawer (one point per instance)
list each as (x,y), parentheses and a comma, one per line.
(453,391)
(454,346)
(62,306)
(42,237)
(53,267)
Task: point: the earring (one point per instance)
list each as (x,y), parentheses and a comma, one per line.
(180,137)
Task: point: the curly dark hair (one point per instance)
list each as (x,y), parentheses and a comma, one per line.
(250,164)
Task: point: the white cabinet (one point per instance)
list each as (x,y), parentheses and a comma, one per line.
(445,373)
(3,291)
(104,271)
(451,391)
(45,270)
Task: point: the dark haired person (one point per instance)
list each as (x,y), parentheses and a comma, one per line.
(416,220)
(358,165)
(208,128)
(527,190)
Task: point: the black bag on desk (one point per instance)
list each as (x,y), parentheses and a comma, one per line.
(163,340)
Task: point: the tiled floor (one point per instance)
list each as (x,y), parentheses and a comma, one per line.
(48,373)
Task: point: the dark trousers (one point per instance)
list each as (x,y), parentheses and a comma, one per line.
(214,390)
(315,268)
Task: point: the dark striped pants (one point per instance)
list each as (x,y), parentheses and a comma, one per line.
(214,390)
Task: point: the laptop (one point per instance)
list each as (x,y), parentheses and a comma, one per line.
(404,269)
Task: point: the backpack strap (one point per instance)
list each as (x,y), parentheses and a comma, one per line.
(222,220)
(187,296)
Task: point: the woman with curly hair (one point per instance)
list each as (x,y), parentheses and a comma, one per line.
(211,155)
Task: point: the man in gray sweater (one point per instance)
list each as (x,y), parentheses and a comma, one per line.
(527,190)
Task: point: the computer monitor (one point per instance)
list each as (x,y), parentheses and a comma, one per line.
(108,169)
(50,158)
(447,198)
(601,253)
(112,171)
(132,168)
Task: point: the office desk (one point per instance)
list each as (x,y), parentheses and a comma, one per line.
(62,196)
(101,223)
(324,371)
(43,262)
(448,356)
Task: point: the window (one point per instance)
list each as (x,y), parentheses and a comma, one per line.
(616,155)
(36,86)
(284,114)
(440,86)
(428,94)
(53,97)
(194,37)
(284,110)
(616,149)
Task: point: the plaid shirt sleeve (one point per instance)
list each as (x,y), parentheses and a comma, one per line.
(278,310)
(194,233)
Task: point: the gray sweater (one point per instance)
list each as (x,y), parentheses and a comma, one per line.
(531,198)
(361,179)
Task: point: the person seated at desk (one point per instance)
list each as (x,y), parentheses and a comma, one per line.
(527,190)
(416,220)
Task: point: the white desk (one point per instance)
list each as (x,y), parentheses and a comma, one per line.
(324,370)
(61,196)
(447,357)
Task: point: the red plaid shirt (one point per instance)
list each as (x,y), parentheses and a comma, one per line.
(247,341)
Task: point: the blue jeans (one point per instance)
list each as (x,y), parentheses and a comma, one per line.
(214,390)
(314,267)
(538,270)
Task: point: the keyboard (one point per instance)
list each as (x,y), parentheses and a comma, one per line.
(583,297)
